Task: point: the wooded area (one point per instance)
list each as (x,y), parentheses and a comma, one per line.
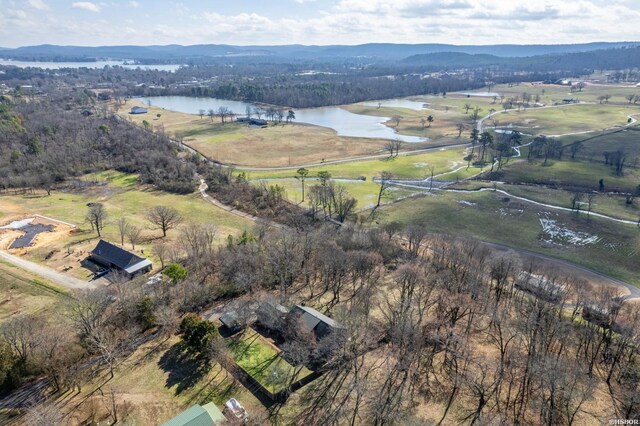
(49,139)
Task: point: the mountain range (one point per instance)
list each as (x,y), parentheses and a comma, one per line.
(378,51)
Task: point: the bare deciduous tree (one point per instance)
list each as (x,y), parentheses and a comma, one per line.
(164,217)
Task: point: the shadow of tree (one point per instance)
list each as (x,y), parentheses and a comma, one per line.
(185,370)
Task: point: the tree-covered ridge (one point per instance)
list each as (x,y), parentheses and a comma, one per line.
(45,141)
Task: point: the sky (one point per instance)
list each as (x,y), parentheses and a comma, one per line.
(322,22)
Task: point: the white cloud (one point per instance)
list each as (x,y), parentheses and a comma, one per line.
(38,4)
(134,4)
(86,5)
(330,22)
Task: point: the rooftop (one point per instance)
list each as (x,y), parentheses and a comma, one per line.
(122,258)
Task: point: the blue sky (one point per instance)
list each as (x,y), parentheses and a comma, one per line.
(146,22)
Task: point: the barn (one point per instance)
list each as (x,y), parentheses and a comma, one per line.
(115,258)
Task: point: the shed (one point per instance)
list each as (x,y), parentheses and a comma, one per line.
(138,110)
(113,257)
(198,415)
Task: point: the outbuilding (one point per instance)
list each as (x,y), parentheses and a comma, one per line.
(115,258)
(138,110)
(198,415)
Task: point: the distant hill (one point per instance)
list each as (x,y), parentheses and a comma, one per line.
(378,51)
(618,58)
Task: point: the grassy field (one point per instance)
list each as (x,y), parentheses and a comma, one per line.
(594,146)
(24,293)
(366,192)
(262,362)
(571,173)
(281,145)
(404,166)
(518,224)
(608,204)
(566,119)
(551,93)
(122,196)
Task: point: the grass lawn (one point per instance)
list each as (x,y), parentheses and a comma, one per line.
(366,192)
(609,204)
(404,166)
(566,119)
(262,362)
(157,382)
(594,146)
(122,196)
(23,293)
(281,145)
(518,224)
(570,173)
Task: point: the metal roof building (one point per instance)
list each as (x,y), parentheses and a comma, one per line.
(114,257)
(319,323)
(198,415)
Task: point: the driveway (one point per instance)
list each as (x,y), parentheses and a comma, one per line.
(47,273)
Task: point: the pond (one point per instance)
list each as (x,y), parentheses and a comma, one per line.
(91,65)
(345,123)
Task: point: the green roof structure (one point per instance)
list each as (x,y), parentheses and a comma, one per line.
(198,415)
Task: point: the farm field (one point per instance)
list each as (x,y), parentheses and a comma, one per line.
(594,243)
(122,196)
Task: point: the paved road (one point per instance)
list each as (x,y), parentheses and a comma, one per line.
(46,273)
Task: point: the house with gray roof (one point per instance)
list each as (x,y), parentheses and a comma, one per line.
(320,324)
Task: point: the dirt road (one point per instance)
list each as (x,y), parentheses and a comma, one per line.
(66,281)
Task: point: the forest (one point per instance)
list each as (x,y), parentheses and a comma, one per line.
(427,319)
(47,140)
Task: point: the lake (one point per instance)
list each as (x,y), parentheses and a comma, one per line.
(345,123)
(397,103)
(92,65)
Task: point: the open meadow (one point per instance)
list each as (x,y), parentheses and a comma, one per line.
(595,243)
(122,197)
(273,146)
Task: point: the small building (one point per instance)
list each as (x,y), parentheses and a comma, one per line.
(115,258)
(231,320)
(320,324)
(138,110)
(198,415)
